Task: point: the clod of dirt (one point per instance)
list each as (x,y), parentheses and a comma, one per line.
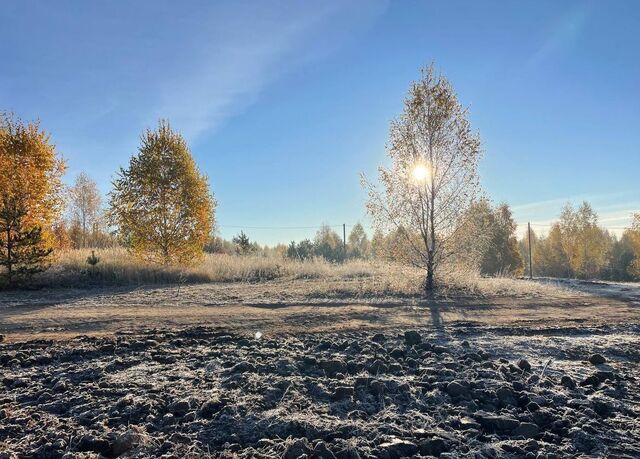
(597,359)
(526,430)
(127,441)
(297,449)
(457,393)
(412,337)
(524,365)
(379,338)
(322,451)
(458,388)
(180,407)
(91,443)
(396,448)
(568,382)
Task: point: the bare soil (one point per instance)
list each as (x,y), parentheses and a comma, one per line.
(268,370)
(285,306)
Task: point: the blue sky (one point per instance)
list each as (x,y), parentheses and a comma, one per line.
(285,103)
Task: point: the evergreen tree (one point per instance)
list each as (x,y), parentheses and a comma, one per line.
(303,250)
(243,244)
(22,247)
(621,259)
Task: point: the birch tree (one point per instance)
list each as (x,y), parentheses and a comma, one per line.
(84,207)
(161,205)
(433,176)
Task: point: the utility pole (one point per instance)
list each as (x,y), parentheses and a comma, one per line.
(530,260)
(344,239)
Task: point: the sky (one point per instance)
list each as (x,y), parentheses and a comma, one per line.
(285,104)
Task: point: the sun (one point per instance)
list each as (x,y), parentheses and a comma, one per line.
(420,172)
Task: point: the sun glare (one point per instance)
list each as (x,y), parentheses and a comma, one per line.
(420,172)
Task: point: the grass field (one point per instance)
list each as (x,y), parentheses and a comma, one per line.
(352,278)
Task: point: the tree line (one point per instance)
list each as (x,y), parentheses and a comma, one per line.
(576,246)
(427,208)
(160,206)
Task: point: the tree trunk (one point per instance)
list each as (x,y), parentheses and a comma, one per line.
(9,256)
(431,247)
(428,286)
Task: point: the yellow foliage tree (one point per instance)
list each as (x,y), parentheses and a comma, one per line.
(30,197)
(585,244)
(161,204)
(634,237)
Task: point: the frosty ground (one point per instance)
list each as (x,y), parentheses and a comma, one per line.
(269,370)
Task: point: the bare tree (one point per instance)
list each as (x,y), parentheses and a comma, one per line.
(84,208)
(433,176)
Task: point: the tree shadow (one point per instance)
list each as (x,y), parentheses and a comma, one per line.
(17,301)
(435,313)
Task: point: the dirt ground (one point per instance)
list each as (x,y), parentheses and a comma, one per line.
(286,306)
(277,370)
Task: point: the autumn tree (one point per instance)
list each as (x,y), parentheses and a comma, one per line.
(433,176)
(62,239)
(549,255)
(492,231)
(377,244)
(217,244)
(161,204)
(633,235)
(577,246)
(328,244)
(30,197)
(622,259)
(358,245)
(585,244)
(85,210)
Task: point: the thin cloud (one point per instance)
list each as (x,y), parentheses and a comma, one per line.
(564,34)
(550,204)
(253,49)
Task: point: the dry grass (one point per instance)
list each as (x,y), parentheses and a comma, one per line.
(355,279)
(469,282)
(117,267)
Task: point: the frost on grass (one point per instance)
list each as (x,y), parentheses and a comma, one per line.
(355,278)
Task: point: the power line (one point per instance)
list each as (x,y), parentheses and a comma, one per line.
(282,227)
(549,225)
(540,225)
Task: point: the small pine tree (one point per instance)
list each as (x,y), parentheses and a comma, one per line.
(92,259)
(22,252)
(303,250)
(243,244)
